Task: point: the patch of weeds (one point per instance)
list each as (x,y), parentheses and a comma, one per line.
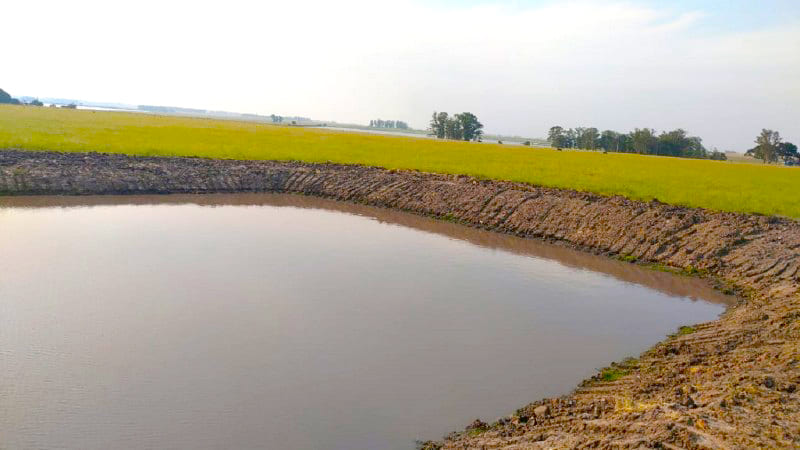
(691,270)
(618,370)
(683,331)
(660,267)
(476,431)
(449,217)
(613,373)
(630,362)
(628,258)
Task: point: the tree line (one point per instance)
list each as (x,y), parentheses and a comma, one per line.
(5,97)
(380,123)
(462,127)
(281,119)
(770,148)
(643,141)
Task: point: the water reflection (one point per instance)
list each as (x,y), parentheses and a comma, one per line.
(667,283)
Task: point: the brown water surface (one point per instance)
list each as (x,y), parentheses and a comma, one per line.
(278,321)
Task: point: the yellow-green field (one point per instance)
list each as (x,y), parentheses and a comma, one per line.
(710,184)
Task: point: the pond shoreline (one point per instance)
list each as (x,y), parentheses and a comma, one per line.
(727,383)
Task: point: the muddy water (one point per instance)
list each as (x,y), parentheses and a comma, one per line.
(269,321)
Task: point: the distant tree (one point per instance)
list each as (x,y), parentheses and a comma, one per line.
(590,138)
(717,155)
(695,148)
(643,140)
(439,124)
(767,146)
(679,143)
(380,123)
(36,102)
(571,140)
(625,143)
(609,140)
(452,129)
(464,126)
(671,143)
(471,128)
(556,137)
(586,138)
(5,97)
(578,137)
(527,143)
(70,106)
(788,152)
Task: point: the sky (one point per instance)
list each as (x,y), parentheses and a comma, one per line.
(721,69)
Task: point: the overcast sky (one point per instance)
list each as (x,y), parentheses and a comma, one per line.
(720,69)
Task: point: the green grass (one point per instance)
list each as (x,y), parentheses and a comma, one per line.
(613,374)
(711,184)
(684,330)
(619,370)
(476,431)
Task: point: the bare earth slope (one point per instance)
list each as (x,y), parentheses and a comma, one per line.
(731,383)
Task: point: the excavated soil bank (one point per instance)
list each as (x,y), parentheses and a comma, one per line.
(731,383)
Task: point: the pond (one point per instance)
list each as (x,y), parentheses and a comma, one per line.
(280,321)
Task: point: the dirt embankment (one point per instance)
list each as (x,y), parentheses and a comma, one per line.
(731,383)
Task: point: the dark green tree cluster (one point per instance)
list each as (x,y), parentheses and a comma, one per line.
(6,98)
(396,124)
(644,141)
(770,148)
(461,127)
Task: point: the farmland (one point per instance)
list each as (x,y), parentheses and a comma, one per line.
(714,185)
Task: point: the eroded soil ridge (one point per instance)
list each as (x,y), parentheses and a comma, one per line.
(731,383)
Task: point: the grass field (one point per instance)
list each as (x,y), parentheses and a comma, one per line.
(710,184)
